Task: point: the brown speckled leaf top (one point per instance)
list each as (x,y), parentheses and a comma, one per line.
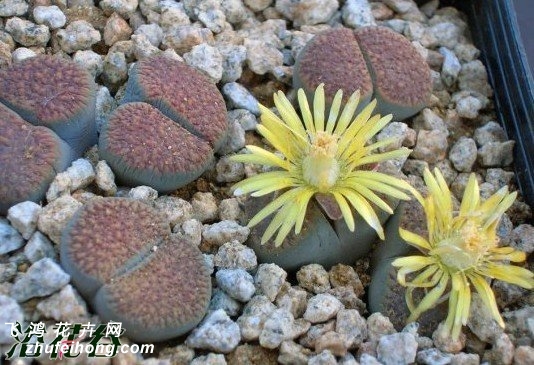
(147,139)
(174,284)
(187,92)
(401,74)
(27,155)
(50,88)
(109,231)
(337,52)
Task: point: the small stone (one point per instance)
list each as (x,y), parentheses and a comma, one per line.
(225,231)
(344,275)
(269,279)
(381,11)
(353,326)
(314,278)
(105,178)
(78,35)
(13,7)
(64,306)
(7,272)
(292,353)
(42,278)
(207,59)
(27,33)
(444,34)
(489,132)
(190,230)
(499,177)
(294,299)
(51,16)
(21,54)
(258,5)
(228,170)
(524,355)
(473,77)
(175,209)
(152,32)
(229,209)
(10,238)
(465,359)
(208,261)
(145,193)
(237,283)
(431,146)
(238,97)
(209,359)
(480,320)
(235,141)
(217,332)
(221,300)
(323,358)
(502,351)
(80,173)
(243,117)
(39,247)
(233,255)
(379,325)
(357,13)
(310,13)
(401,133)
(429,120)
(523,238)
(315,332)
(23,216)
(55,216)
(234,57)
(433,357)
(322,307)
(463,154)
(334,342)
(105,103)
(11,313)
(445,343)
(61,185)
(115,69)
(451,66)
(123,7)
(468,107)
(496,154)
(116,29)
(142,48)
(204,207)
(255,313)
(261,57)
(397,348)
(183,38)
(459,184)
(277,328)
(94,63)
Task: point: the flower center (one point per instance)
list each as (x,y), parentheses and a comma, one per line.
(463,250)
(320,167)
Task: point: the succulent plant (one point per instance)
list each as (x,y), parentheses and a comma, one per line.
(144,147)
(123,260)
(460,250)
(30,157)
(55,93)
(327,159)
(381,63)
(181,93)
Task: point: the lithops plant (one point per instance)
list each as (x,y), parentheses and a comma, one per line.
(30,157)
(144,147)
(122,258)
(381,63)
(330,159)
(181,93)
(55,93)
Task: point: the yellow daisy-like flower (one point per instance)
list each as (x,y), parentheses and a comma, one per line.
(319,155)
(461,251)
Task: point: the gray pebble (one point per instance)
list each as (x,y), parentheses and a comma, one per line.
(277,328)
(81,174)
(21,54)
(397,348)
(13,7)
(238,97)
(357,13)
(255,313)
(235,138)
(115,70)
(323,358)
(351,324)
(175,209)
(379,325)
(8,271)
(23,216)
(66,306)
(208,261)
(468,107)
(451,66)
(105,178)
(523,238)
(480,321)
(429,120)
(445,34)
(229,209)
(463,154)
(237,283)
(123,7)
(322,307)
(55,216)
(27,33)
(314,278)
(204,207)
(243,117)
(433,357)
(496,154)
(10,238)
(51,16)
(224,231)
(234,255)
(11,313)
(94,63)
(209,359)
(229,171)
(489,132)
(78,35)
(39,247)
(206,59)
(367,359)
(261,57)
(221,300)
(431,146)
(152,32)
(145,193)
(397,130)
(473,77)
(190,230)
(294,299)
(292,353)
(269,280)
(217,332)
(42,278)
(465,359)
(234,57)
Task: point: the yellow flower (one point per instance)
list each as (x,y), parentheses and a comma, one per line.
(461,251)
(317,155)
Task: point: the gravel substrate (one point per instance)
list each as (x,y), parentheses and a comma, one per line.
(259,314)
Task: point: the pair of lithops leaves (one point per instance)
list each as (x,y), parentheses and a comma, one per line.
(382,65)
(123,259)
